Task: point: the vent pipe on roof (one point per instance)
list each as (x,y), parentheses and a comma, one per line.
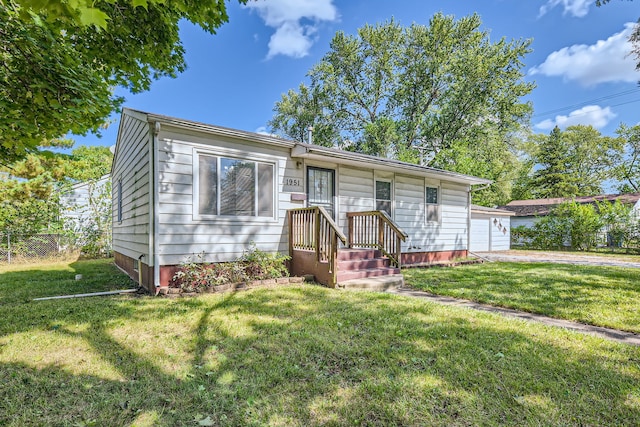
(310,135)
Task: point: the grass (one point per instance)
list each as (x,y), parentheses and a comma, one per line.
(22,282)
(602,296)
(298,356)
(609,254)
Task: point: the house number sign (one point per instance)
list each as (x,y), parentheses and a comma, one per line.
(292,185)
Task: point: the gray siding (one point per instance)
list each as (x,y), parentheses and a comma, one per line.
(132,169)
(182,234)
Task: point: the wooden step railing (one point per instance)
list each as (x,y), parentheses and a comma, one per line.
(313,244)
(375,229)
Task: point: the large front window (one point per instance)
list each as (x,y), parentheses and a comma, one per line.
(235,187)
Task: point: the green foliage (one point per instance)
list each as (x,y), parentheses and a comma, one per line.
(570,163)
(62,59)
(582,227)
(392,90)
(31,190)
(196,276)
(627,171)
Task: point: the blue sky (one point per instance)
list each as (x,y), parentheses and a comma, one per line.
(579,60)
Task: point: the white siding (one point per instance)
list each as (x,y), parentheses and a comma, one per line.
(480,235)
(131,169)
(183,235)
(490,232)
(449,233)
(355,191)
(501,233)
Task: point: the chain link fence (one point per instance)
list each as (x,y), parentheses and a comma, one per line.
(15,248)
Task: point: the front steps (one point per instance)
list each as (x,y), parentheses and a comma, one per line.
(366,269)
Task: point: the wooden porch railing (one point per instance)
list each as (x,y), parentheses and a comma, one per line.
(312,230)
(375,229)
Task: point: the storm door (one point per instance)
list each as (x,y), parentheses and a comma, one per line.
(321,188)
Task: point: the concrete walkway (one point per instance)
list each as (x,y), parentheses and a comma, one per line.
(610,334)
(558,258)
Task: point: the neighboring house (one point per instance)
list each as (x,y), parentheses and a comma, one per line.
(78,204)
(185,189)
(527,212)
(490,229)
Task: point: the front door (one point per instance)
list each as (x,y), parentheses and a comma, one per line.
(321,188)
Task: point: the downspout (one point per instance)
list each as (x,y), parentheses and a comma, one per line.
(156,208)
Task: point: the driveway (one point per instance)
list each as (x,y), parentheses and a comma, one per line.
(562,258)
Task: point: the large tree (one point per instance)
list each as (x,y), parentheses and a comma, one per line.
(573,162)
(399,91)
(627,172)
(60,61)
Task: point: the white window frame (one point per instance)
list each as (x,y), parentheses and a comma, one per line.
(391,193)
(227,154)
(438,204)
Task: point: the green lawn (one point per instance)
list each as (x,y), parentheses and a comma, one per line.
(296,356)
(603,296)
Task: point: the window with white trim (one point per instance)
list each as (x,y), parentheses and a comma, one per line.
(235,187)
(432,204)
(383,196)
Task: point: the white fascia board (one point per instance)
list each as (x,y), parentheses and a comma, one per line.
(318,153)
(220,131)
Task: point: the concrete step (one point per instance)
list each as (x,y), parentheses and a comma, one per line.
(369,272)
(379,283)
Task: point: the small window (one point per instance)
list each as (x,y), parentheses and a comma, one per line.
(383,196)
(432,206)
(119,197)
(235,187)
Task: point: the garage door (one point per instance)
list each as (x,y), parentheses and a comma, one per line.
(480,230)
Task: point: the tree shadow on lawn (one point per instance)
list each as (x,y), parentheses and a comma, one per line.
(572,292)
(309,356)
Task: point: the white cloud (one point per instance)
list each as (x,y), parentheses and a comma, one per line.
(593,115)
(292,37)
(577,8)
(262,130)
(605,61)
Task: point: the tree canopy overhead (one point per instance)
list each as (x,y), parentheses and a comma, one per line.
(61,61)
(396,91)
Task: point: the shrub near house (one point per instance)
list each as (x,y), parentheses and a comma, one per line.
(195,276)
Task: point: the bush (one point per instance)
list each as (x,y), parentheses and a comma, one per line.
(196,276)
(581,227)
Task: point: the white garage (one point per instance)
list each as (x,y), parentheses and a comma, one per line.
(490,229)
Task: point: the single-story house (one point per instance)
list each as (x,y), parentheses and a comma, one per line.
(186,189)
(490,229)
(527,212)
